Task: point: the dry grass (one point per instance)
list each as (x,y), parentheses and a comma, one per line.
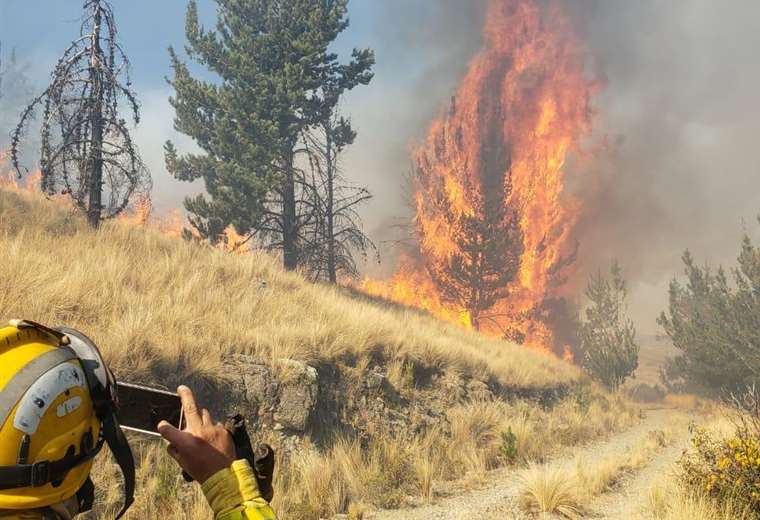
(540,433)
(163,308)
(160,306)
(668,501)
(549,489)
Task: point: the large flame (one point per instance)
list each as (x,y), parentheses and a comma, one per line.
(526,98)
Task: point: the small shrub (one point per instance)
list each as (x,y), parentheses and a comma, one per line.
(508,447)
(583,397)
(409,374)
(725,469)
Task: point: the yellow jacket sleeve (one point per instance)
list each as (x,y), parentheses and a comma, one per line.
(234,495)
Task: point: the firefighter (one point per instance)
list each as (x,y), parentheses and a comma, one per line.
(58,410)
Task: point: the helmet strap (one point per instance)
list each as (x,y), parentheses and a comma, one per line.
(117,442)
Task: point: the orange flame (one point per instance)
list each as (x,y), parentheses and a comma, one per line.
(173,224)
(10,181)
(526,97)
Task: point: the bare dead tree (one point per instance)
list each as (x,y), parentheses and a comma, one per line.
(336,236)
(86,150)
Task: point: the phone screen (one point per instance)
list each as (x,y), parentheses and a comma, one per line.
(141,408)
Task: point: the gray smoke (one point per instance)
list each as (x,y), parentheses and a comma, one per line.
(680,116)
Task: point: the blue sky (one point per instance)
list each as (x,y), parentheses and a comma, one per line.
(40,28)
(389,114)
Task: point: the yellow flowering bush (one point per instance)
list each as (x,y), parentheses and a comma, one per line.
(726,469)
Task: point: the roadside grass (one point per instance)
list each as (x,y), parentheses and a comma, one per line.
(564,489)
(669,501)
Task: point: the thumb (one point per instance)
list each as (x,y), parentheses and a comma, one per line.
(171,434)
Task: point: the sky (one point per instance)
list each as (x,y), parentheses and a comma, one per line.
(40,29)
(679,110)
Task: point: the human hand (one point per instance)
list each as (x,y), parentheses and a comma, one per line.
(204,447)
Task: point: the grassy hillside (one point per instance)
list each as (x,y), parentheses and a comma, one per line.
(158,305)
(168,311)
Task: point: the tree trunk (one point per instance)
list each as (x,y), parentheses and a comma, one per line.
(289,231)
(331,269)
(95,164)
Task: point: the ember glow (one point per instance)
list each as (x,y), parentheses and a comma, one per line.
(523,106)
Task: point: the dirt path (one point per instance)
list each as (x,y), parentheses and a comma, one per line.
(630,498)
(498,498)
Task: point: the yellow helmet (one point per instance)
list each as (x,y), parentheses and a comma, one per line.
(57,409)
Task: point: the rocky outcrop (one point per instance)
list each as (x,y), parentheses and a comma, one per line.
(297,396)
(293,400)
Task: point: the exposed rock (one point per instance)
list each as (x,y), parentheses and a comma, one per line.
(297,395)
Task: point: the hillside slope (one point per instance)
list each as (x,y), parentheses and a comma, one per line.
(370,405)
(155,302)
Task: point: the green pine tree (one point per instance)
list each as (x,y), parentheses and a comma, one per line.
(608,349)
(715,325)
(276,79)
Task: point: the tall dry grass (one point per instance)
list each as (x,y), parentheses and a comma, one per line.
(670,501)
(160,306)
(566,489)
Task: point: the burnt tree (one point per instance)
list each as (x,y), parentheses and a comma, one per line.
(336,233)
(86,151)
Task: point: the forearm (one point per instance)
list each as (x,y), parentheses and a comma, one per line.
(233,494)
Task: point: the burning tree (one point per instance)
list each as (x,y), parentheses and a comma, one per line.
(522,108)
(485,239)
(86,151)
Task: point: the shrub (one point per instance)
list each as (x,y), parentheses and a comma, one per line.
(608,349)
(508,447)
(726,469)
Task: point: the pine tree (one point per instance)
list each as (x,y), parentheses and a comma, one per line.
(715,325)
(276,80)
(87,152)
(608,349)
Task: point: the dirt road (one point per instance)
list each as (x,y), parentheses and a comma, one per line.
(497,499)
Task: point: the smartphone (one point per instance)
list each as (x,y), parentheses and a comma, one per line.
(141,408)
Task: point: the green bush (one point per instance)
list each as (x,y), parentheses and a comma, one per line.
(508,446)
(726,469)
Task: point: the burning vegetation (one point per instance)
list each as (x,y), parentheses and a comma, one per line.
(495,224)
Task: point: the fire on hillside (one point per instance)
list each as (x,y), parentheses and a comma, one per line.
(139,213)
(495,163)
